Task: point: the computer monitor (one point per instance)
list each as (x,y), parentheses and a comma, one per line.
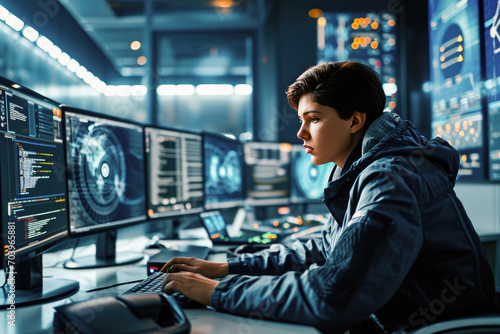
(491,13)
(174,172)
(307,180)
(33,194)
(106,182)
(268,172)
(223,165)
(455,57)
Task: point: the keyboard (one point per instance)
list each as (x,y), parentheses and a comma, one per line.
(153,284)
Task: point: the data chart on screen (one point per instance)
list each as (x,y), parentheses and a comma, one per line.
(455,57)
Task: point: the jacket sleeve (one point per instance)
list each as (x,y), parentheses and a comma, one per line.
(366,267)
(279,259)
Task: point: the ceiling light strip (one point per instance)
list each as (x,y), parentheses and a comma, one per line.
(53,50)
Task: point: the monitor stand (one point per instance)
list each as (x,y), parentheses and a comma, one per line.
(106,255)
(27,286)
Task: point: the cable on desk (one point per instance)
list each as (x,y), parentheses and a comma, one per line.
(114,285)
(71,257)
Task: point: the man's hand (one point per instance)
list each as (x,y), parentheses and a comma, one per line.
(191,285)
(194,265)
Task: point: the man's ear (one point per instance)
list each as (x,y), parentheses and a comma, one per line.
(358,120)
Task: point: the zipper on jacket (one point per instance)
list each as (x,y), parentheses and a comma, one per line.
(471,242)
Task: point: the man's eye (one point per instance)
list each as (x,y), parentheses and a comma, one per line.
(314,119)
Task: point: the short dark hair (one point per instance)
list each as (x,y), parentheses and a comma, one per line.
(346,86)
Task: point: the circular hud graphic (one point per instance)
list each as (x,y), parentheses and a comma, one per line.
(310,178)
(100,172)
(224,172)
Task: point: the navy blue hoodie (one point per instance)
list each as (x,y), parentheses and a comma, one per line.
(399,249)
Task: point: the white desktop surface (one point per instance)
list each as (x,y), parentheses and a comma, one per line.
(38,318)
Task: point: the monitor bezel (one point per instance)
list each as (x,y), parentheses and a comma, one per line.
(35,248)
(226,204)
(172,214)
(78,232)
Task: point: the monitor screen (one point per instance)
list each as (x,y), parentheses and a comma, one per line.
(455,57)
(33,178)
(174,171)
(106,179)
(223,160)
(33,193)
(268,173)
(492,83)
(307,180)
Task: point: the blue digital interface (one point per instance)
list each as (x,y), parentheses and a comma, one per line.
(33,195)
(223,160)
(455,57)
(369,38)
(492,82)
(268,173)
(106,179)
(307,180)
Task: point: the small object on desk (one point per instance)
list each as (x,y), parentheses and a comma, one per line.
(140,313)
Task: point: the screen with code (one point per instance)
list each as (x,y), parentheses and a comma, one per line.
(33,178)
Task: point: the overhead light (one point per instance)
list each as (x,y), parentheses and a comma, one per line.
(110,90)
(135,45)
(165,90)
(4,13)
(64,59)
(141,60)
(30,33)
(88,77)
(95,82)
(243,89)
(223,3)
(44,43)
(315,13)
(14,22)
(123,90)
(184,90)
(222,89)
(81,71)
(73,65)
(55,52)
(390,88)
(139,90)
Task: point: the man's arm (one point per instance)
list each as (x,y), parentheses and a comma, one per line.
(366,267)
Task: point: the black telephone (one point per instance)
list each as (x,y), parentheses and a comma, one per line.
(131,313)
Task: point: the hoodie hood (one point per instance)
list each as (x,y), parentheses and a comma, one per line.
(390,135)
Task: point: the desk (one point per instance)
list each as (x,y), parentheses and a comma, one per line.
(38,318)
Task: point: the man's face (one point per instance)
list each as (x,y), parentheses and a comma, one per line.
(326,136)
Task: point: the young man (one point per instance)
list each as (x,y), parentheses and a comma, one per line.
(399,252)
